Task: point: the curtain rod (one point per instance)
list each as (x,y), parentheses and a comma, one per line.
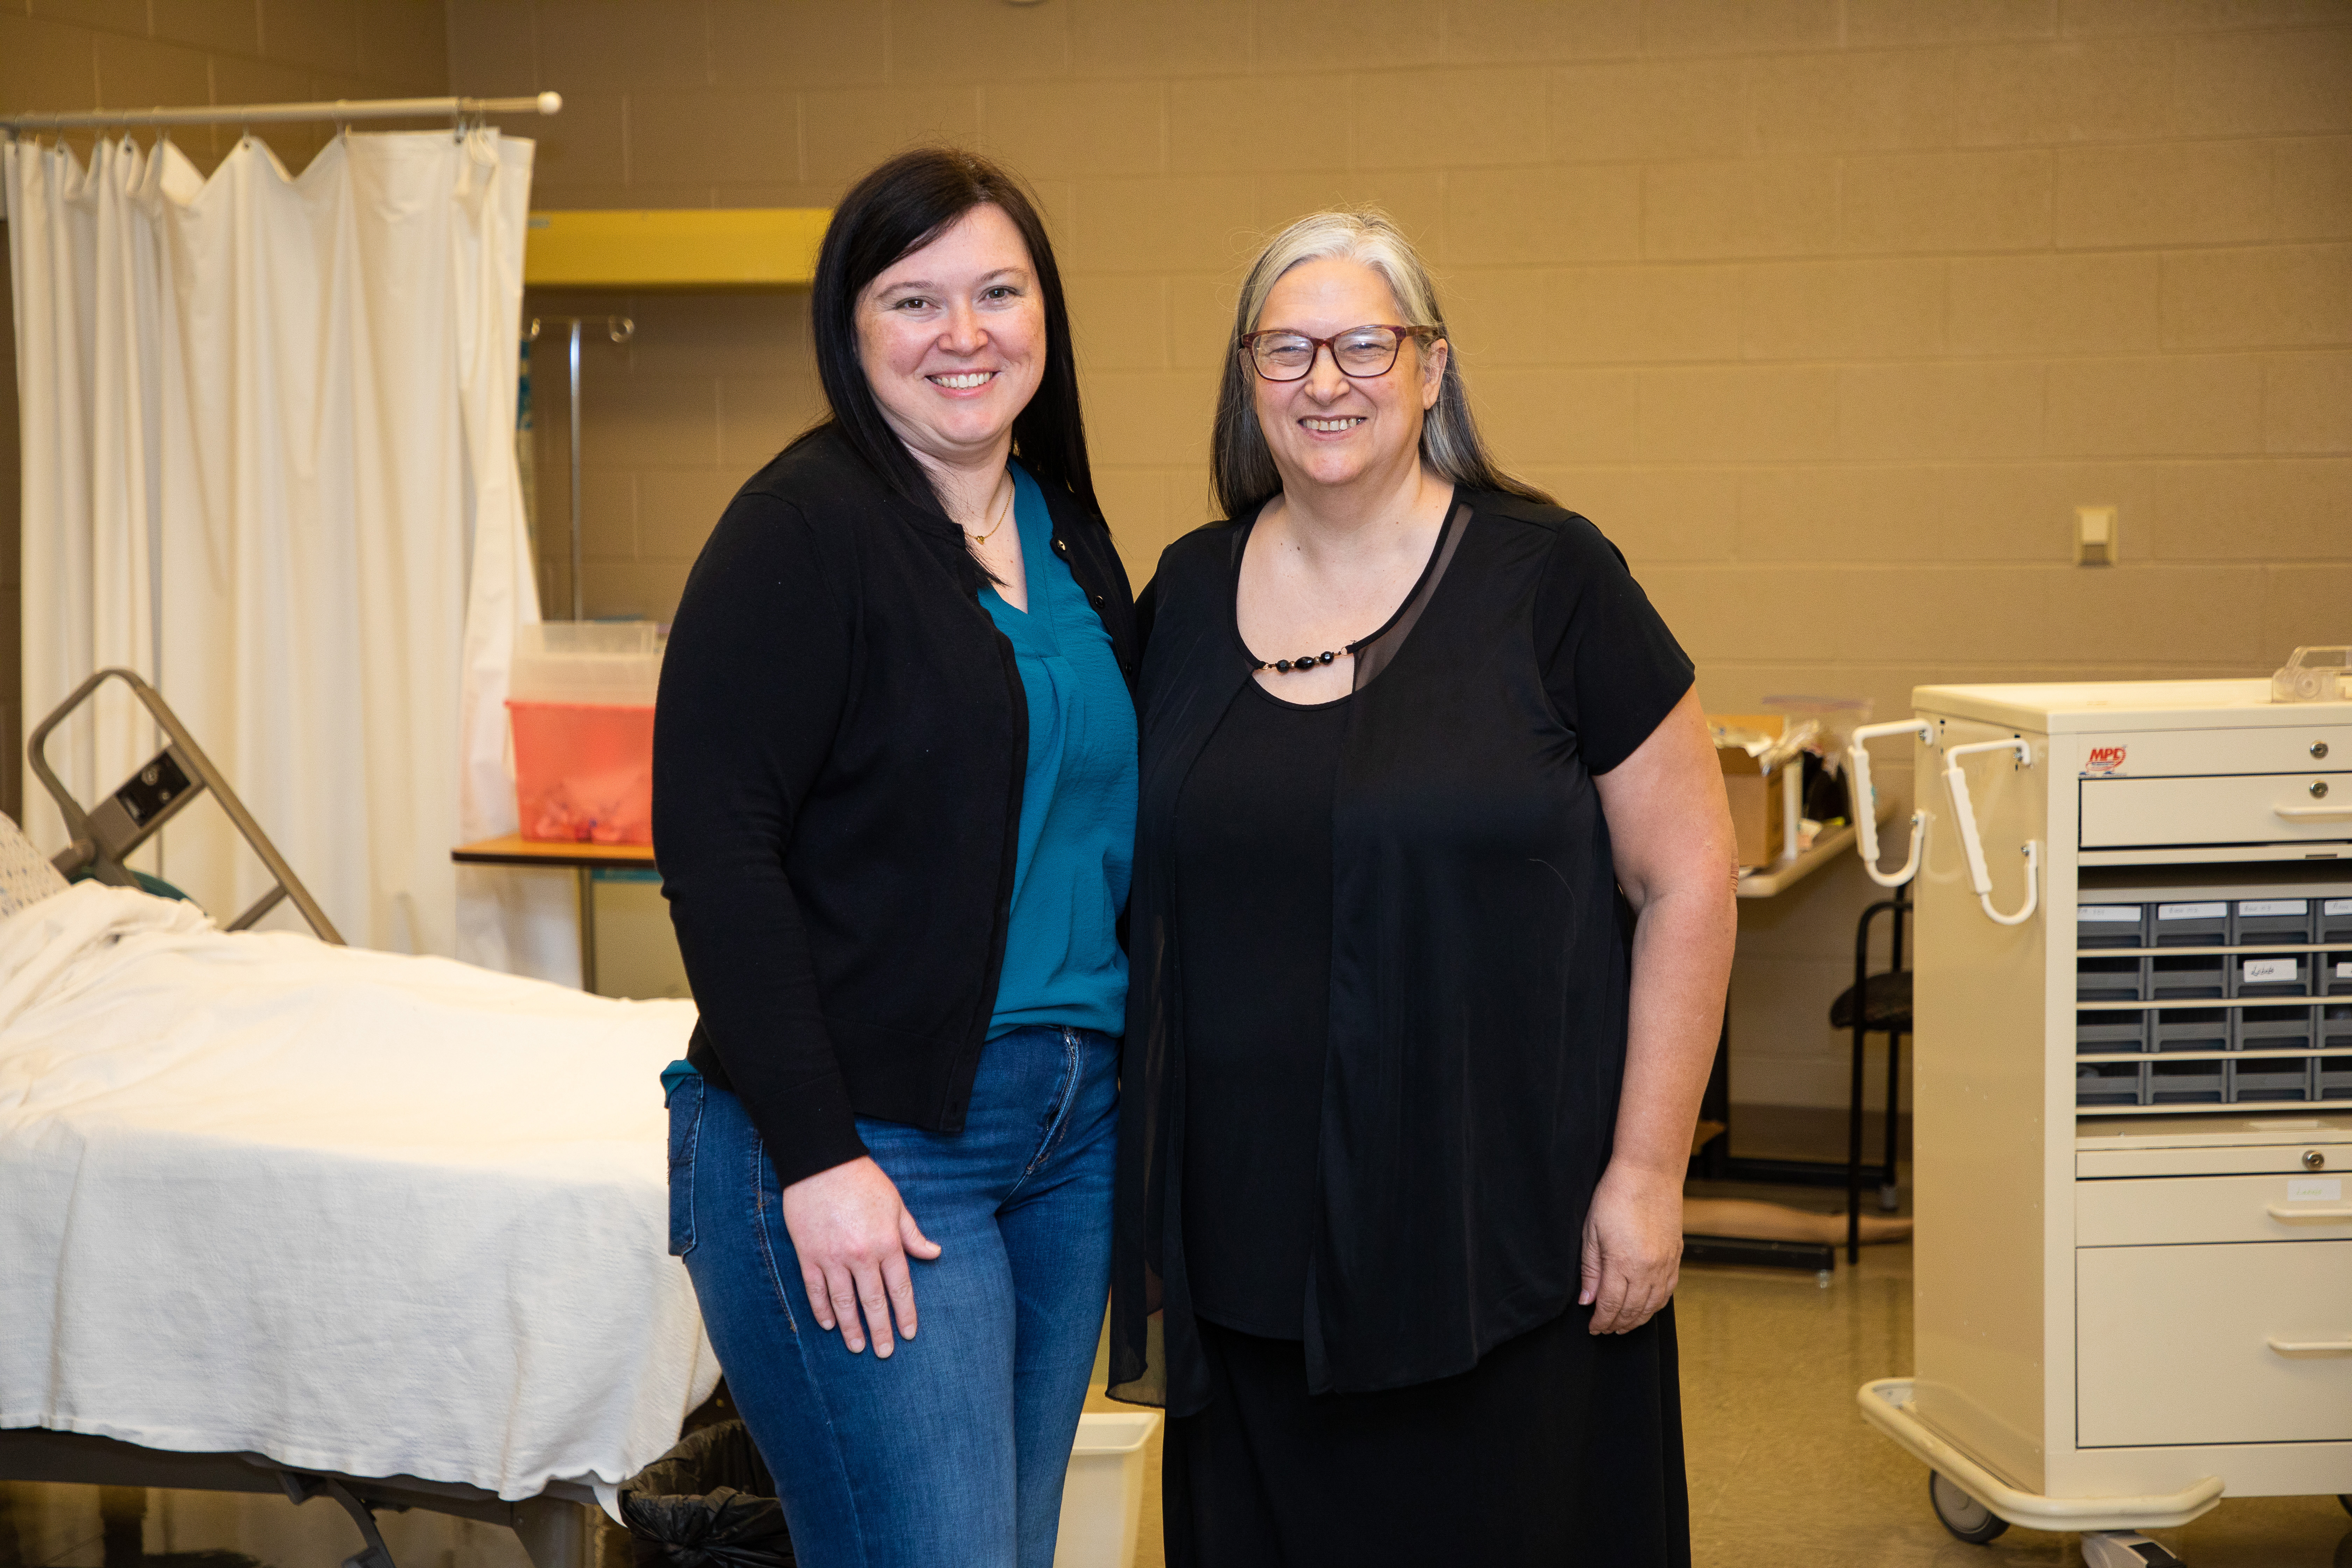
(264,113)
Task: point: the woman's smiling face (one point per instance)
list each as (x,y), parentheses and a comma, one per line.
(1327,429)
(953,338)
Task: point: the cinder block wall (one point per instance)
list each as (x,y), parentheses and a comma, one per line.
(123,54)
(1829,311)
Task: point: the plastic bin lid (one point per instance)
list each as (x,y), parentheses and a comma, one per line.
(587,661)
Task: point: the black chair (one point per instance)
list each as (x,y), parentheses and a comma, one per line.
(1875,1005)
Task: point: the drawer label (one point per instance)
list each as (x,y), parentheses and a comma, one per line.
(2343,969)
(2191,911)
(2315,1190)
(2112,912)
(2274,906)
(2336,906)
(2269,972)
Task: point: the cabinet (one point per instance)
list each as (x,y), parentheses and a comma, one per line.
(2132,1112)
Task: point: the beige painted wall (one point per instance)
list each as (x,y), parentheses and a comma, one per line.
(1829,313)
(118,54)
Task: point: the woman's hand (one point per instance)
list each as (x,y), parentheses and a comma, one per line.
(854,1237)
(1633,1247)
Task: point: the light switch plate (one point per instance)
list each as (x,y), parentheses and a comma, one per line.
(2094,536)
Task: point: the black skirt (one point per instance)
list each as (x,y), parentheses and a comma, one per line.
(1560,1447)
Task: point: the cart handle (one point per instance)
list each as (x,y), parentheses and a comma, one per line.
(2314,812)
(1973,846)
(2294,1214)
(2300,1348)
(1866,808)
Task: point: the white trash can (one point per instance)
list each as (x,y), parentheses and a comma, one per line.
(1102,1501)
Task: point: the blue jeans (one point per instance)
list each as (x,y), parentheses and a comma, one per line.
(953,1450)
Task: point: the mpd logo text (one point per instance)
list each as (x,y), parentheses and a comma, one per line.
(2104,759)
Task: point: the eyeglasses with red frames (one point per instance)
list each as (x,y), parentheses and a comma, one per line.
(1360,353)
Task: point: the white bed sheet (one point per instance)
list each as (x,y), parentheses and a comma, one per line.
(355,1211)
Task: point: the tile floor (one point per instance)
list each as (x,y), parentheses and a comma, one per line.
(1782,1469)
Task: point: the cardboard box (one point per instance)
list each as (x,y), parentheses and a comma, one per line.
(1760,800)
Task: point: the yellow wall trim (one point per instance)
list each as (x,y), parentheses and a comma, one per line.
(685,248)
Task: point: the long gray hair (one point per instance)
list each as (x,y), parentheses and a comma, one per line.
(1241,468)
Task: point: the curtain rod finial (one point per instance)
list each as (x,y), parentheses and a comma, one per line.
(551,103)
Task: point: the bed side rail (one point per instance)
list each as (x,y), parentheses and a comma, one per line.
(104,835)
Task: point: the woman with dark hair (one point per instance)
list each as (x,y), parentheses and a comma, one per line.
(894,798)
(1431,919)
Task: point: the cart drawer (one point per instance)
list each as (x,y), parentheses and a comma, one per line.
(2242,808)
(2213,1208)
(2180,1344)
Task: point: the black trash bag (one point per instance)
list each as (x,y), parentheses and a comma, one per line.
(707,1503)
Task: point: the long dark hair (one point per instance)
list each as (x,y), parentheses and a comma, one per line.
(899,208)
(1241,468)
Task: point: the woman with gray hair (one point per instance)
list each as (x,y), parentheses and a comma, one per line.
(1431,923)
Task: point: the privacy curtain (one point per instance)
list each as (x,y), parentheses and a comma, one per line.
(268,463)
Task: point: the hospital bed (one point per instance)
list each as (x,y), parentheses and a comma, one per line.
(279,1215)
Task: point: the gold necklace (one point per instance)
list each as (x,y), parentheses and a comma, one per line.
(1007,511)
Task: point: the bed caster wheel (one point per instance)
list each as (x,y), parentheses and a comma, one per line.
(2125,1549)
(1890,1198)
(1961,1514)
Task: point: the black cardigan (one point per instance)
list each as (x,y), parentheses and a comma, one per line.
(1480,953)
(838,751)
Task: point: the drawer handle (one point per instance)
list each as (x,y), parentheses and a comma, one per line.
(2315,813)
(2288,1215)
(2299,1348)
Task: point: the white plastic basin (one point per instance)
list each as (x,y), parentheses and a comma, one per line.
(1102,1501)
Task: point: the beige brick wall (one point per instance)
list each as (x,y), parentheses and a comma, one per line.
(66,55)
(1829,311)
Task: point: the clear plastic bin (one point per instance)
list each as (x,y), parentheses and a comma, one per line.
(2203,924)
(2110,1083)
(2192,1029)
(2257,922)
(2274,1029)
(2270,1078)
(581,709)
(2110,979)
(2333,1079)
(2179,977)
(2184,1083)
(2269,974)
(2333,971)
(2110,925)
(2336,920)
(2104,1032)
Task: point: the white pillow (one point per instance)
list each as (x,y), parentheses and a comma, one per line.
(25,875)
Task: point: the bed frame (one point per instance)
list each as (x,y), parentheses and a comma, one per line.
(557,1528)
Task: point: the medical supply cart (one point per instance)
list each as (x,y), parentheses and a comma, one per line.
(2133,1108)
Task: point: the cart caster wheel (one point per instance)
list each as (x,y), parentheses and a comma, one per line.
(1961,1514)
(1890,1198)
(2125,1549)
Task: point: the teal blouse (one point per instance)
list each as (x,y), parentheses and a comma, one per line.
(1063,963)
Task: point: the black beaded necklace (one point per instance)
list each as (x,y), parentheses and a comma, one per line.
(1308,661)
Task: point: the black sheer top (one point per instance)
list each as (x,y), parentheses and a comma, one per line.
(1475,973)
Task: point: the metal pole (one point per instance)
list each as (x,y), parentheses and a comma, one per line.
(578,613)
(587,928)
(280,113)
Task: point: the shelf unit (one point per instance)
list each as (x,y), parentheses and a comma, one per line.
(674,248)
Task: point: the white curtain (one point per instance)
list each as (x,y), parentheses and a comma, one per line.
(268,463)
